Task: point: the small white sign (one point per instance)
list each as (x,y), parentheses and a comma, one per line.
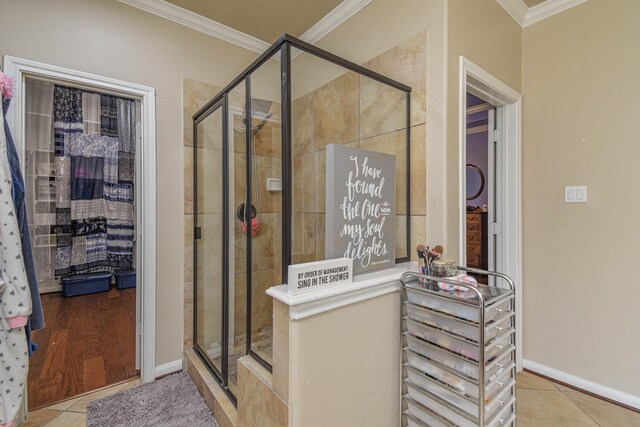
(312,276)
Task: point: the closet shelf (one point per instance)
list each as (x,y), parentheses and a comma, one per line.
(42,175)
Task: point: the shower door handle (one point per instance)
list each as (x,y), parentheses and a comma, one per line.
(198,233)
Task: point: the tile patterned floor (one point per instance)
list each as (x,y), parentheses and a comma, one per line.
(541,403)
(72,412)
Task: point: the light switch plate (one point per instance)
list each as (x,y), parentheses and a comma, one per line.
(575,194)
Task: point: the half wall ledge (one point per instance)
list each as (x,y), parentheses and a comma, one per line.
(337,351)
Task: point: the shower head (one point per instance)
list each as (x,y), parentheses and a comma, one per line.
(260,107)
(259,110)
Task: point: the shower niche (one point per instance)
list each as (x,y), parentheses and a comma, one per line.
(259,186)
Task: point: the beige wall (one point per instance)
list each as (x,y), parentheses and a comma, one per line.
(355,348)
(485,34)
(111,39)
(581,103)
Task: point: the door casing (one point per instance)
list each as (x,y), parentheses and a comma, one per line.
(18,69)
(481,83)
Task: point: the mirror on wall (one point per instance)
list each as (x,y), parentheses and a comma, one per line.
(475,181)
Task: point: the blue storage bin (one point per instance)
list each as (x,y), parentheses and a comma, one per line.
(84,284)
(125,279)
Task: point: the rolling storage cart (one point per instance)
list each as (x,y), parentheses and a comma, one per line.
(458,352)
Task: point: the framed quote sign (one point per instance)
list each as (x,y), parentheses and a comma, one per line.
(360,207)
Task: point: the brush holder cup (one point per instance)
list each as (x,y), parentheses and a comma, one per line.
(452,269)
(439,268)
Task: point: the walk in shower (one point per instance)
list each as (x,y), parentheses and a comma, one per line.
(259,186)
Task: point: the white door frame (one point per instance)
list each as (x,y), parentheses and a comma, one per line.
(479,82)
(18,69)
(496,175)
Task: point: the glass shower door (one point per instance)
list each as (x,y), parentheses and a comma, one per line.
(238,228)
(265,163)
(220,241)
(208,238)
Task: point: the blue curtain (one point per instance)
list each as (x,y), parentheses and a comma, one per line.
(95,171)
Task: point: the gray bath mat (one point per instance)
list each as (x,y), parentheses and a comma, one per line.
(171,401)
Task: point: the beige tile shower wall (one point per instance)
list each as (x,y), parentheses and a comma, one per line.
(266,242)
(359,112)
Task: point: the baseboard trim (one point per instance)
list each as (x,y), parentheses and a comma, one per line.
(599,390)
(169,368)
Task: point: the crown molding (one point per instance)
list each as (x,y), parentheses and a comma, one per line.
(525,16)
(517,9)
(199,23)
(333,19)
(547,9)
(328,23)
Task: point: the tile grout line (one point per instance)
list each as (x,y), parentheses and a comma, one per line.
(52,419)
(564,393)
(81,397)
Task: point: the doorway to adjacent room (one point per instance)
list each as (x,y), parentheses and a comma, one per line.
(481,170)
(504,205)
(86,145)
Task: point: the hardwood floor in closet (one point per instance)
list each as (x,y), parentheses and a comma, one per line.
(88,343)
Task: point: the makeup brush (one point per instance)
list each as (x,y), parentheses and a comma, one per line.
(435,252)
(422,259)
(427,264)
(439,249)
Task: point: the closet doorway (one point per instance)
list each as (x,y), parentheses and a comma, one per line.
(481,170)
(87,150)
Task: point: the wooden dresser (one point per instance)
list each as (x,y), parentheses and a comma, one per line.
(477,240)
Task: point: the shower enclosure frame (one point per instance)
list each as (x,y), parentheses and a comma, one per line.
(221,101)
